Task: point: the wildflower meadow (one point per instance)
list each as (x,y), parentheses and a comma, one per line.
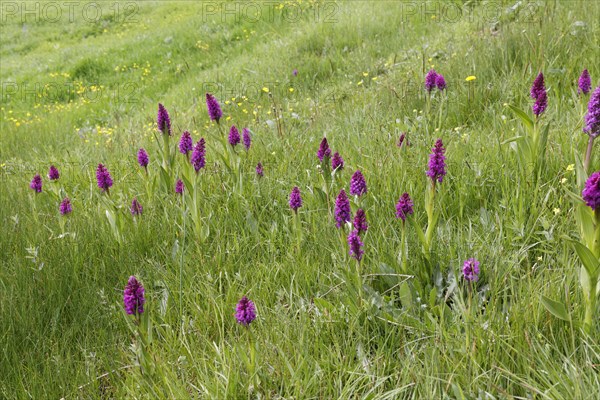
(306,199)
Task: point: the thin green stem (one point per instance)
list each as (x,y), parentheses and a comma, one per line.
(588,154)
(591,297)
(298,230)
(590,308)
(359,284)
(440,114)
(596,243)
(252,355)
(181,264)
(430,219)
(404,250)
(468,317)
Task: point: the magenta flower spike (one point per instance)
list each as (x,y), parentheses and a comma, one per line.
(403,141)
(214,109)
(324,151)
(163,121)
(186,144)
(404,207)
(103,178)
(538,86)
(471,270)
(234,136)
(592,118)
(179,187)
(65,206)
(295,199)
(358,185)
(437,164)
(540,105)
(342,210)
(53,173)
(430,80)
(199,155)
(337,162)
(585,82)
(136,207)
(246,138)
(355,245)
(133,297)
(591,191)
(142,158)
(440,82)
(245,311)
(360,221)
(36,183)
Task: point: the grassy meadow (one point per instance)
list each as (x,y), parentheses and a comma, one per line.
(81,86)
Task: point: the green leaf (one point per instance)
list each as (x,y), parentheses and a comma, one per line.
(111,219)
(388,274)
(512,139)
(204,232)
(526,153)
(224,156)
(523,147)
(251,222)
(175,250)
(556,308)
(458,393)
(541,150)
(166,178)
(323,304)
(543,141)
(585,219)
(522,116)
(432,297)
(584,280)
(417,228)
(576,198)
(580,171)
(405,295)
(188,187)
(589,261)
(320,193)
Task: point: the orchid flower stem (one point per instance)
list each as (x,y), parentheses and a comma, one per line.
(181,264)
(359,284)
(439,124)
(34,208)
(468,317)
(298,231)
(403,250)
(166,153)
(343,241)
(223,138)
(590,306)
(591,298)
(588,154)
(428,104)
(252,353)
(326,186)
(430,219)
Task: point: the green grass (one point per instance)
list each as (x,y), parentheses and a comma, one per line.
(360,83)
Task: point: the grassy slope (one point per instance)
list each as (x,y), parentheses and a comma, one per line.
(62,325)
